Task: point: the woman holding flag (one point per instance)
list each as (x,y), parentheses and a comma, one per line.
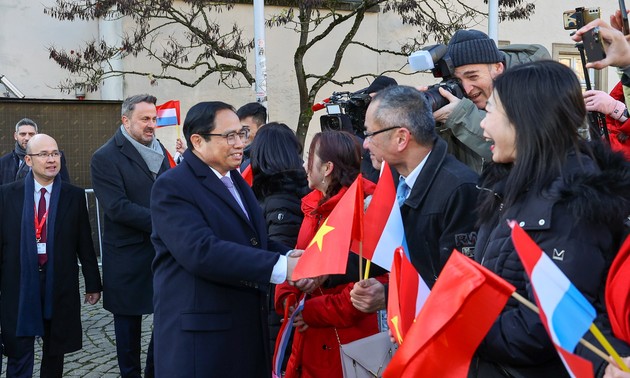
(571,196)
(328,318)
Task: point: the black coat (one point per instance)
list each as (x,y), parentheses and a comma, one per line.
(212,270)
(73,238)
(10,162)
(578,222)
(122,183)
(439,214)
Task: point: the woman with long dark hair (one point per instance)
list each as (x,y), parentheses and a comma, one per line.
(569,195)
(279,180)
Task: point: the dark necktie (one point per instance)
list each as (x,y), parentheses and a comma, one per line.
(41,210)
(230,186)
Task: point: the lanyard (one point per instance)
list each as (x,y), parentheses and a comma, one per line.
(39,225)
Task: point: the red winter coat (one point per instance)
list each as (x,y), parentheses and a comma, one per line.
(315,352)
(616,127)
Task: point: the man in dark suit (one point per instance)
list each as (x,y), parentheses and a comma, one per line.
(213,262)
(123,172)
(44,227)
(12,167)
(437,193)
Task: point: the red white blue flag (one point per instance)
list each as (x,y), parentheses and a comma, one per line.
(565,312)
(168,113)
(383,229)
(284,334)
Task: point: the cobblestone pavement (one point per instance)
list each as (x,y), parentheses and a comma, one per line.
(98,356)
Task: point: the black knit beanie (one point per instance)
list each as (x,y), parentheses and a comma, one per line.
(473,47)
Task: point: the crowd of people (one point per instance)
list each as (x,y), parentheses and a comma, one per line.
(212,257)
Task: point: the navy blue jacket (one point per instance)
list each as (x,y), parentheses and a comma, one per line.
(211,275)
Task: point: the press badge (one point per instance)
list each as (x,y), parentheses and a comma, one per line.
(41,248)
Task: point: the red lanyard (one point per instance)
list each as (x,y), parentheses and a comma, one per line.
(39,225)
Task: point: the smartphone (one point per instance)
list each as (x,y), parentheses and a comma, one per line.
(593,46)
(578,17)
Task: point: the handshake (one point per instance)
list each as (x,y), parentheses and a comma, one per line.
(306,285)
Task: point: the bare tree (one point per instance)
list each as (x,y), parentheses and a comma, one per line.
(202,46)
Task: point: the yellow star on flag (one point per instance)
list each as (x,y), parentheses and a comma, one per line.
(319,236)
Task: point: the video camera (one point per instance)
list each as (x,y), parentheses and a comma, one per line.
(436,59)
(346,111)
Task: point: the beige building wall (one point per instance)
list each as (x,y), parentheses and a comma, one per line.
(26,33)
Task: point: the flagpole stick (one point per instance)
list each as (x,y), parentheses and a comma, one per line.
(586,344)
(178,134)
(609,348)
(367,269)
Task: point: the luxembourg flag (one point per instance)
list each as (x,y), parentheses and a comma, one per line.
(383,229)
(564,311)
(168,113)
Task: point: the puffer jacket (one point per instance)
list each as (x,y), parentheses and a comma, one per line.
(579,222)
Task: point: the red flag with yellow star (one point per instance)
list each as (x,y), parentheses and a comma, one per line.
(327,253)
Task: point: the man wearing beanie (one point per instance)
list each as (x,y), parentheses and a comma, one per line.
(477,61)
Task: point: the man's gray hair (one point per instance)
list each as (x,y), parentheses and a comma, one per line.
(25,122)
(407,107)
(130,103)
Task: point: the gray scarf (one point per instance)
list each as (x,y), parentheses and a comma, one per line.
(152,155)
(23,169)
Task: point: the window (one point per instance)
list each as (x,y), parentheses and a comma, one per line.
(569,55)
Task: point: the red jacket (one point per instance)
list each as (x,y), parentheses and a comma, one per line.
(616,127)
(315,352)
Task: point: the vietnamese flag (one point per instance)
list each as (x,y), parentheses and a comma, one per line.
(327,253)
(618,293)
(168,113)
(248,175)
(464,303)
(407,294)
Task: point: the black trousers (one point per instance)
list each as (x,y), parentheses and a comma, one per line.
(128,330)
(21,365)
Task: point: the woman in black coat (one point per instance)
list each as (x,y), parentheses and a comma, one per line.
(569,195)
(279,185)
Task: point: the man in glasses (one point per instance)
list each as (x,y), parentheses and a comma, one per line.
(214,262)
(123,172)
(44,233)
(436,193)
(12,166)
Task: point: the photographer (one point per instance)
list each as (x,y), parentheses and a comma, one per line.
(348,114)
(477,61)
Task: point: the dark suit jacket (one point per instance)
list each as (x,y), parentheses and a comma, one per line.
(122,183)
(211,275)
(439,214)
(73,238)
(10,162)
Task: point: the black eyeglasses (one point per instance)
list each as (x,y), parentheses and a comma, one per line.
(231,136)
(45,155)
(368,134)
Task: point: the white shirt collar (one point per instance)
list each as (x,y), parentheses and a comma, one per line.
(413,175)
